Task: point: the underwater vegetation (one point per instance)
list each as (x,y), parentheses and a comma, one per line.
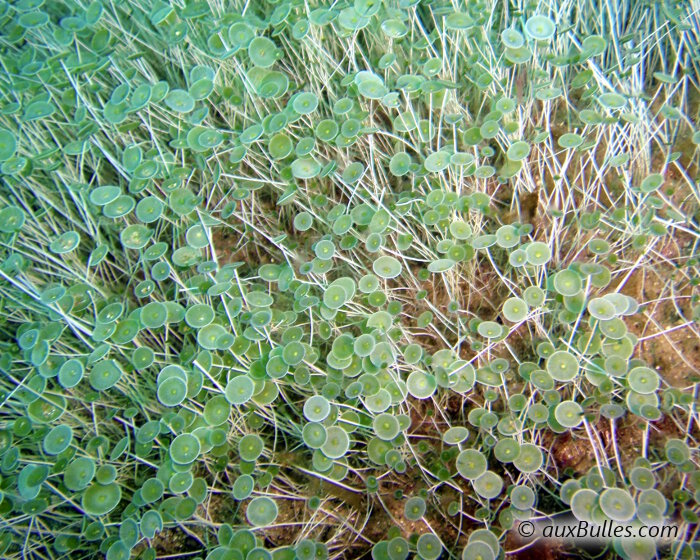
(371,279)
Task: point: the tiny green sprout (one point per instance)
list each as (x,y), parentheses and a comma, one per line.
(172,391)
(530,459)
(305,550)
(412,353)
(305,168)
(515,309)
(386,267)
(400,164)
(151,523)
(238,391)
(414,508)
(569,414)
(314,435)
(437,161)
(429,547)
(677,451)
(507,237)
(184,449)
(179,101)
(518,151)
(512,38)
(58,439)
(441,265)
(583,502)
(489,485)
(261,511)
(305,103)
(568,282)
(71,373)
(327,130)
(455,435)
(65,243)
(540,28)
(570,140)
(617,504)
(316,408)
(522,497)
(324,249)
(262,52)
(8,144)
(651,183)
(250,447)
(612,100)
(642,478)
(594,45)
(471,464)
(563,366)
(506,450)
(105,375)
(599,246)
(337,443)
(99,499)
(478,550)
(421,385)
(643,380)
(243,487)
(601,309)
(490,329)
(385,426)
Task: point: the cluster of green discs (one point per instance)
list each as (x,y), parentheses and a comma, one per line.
(262,255)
